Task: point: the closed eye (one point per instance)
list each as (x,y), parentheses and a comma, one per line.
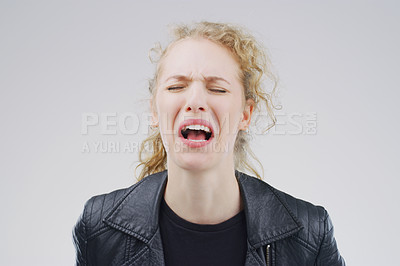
(218,90)
(175,88)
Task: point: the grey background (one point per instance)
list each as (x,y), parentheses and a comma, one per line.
(62,59)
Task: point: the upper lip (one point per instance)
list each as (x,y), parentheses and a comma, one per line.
(196,122)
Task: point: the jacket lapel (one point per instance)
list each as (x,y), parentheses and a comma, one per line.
(136,214)
(268,218)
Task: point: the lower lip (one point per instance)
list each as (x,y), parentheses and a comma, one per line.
(195,144)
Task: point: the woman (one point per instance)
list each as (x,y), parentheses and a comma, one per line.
(192,206)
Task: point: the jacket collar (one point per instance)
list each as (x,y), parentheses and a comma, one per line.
(267,215)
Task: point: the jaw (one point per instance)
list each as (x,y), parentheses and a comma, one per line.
(196,161)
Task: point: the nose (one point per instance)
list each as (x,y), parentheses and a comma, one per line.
(196,100)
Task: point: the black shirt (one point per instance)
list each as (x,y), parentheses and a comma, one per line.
(187,243)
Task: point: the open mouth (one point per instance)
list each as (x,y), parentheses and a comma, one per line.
(196,132)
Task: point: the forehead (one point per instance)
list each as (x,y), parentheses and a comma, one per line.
(199,56)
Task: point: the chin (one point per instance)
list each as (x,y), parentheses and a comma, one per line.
(195,161)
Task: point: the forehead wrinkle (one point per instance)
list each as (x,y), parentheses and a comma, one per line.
(179,77)
(208,79)
(214,79)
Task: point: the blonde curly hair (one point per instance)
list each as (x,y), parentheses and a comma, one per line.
(255,70)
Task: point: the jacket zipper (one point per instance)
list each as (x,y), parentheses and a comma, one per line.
(267,255)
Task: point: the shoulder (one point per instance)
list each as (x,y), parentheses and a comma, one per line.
(311,231)
(301,209)
(98,207)
(90,223)
(317,233)
(313,219)
(305,211)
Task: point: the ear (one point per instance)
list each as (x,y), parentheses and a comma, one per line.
(154,115)
(246,116)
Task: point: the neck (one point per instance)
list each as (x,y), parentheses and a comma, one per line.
(203,197)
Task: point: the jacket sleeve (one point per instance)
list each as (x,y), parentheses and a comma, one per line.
(80,240)
(328,253)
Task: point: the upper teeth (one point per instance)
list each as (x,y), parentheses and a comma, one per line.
(197,127)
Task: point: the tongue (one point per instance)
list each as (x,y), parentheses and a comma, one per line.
(196,135)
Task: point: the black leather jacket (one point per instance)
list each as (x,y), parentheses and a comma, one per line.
(121,228)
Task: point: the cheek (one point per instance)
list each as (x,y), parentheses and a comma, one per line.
(228,116)
(228,112)
(167,112)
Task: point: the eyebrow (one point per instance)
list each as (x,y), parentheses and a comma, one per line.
(207,79)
